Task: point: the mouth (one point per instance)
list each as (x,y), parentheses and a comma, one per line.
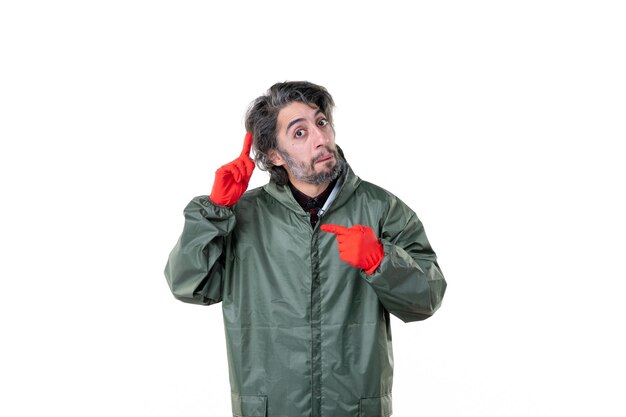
(324,158)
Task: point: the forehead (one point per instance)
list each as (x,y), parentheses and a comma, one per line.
(294,111)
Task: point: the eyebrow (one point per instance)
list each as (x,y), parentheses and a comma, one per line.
(298,120)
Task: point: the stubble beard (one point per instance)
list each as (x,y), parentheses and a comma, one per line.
(306,173)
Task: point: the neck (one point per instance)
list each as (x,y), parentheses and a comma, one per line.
(312,190)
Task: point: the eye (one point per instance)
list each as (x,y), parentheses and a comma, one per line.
(299,133)
(322,122)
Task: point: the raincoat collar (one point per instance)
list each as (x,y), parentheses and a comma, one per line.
(283,194)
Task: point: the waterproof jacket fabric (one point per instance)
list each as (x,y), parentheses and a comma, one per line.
(307,334)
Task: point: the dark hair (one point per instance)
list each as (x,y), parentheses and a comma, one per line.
(262,115)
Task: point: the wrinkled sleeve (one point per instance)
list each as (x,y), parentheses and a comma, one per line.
(408,282)
(195,266)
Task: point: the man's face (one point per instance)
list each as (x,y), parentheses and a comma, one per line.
(306,145)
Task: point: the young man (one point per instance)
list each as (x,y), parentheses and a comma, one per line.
(307,267)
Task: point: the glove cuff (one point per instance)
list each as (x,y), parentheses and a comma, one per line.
(378,258)
(220,200)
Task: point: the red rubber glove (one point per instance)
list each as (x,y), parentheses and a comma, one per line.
(358,246)
(231,180)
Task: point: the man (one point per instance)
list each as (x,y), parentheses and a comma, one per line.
(307,267)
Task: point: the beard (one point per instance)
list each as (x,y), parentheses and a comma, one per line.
(306,172)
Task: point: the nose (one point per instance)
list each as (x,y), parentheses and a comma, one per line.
(320,137)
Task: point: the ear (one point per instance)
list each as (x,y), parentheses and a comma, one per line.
(276,158)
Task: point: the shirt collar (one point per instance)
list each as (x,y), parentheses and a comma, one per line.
(307,202)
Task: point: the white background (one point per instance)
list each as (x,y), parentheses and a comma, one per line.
(500,123)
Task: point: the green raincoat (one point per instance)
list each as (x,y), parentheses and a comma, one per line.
(307,334)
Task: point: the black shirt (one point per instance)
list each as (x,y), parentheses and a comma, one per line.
(312,205)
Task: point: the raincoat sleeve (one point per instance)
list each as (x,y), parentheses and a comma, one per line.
(408,282)
(195,266)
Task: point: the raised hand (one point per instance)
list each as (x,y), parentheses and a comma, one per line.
(358,246)
(231,180)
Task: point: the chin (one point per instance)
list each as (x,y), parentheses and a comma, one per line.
(330,164)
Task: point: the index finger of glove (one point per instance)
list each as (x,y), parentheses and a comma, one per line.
(249,166)
(334,228)
(247,145)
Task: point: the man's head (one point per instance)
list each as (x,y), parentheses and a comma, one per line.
(293,133)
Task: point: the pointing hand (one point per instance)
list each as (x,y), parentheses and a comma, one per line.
(358,246)
(231,180)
